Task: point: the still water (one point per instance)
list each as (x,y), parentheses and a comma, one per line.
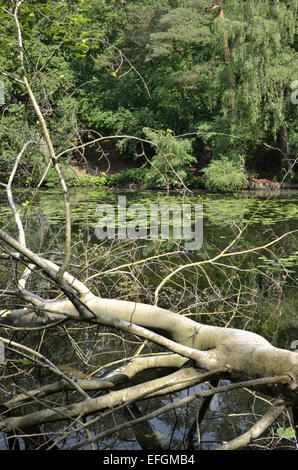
(256,290)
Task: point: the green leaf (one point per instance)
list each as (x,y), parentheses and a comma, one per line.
(287,433)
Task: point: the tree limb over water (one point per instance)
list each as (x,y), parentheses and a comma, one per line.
(235,354)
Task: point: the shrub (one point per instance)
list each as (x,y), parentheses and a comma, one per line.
(133,175)
(197,182)
(225,174)
(171,161)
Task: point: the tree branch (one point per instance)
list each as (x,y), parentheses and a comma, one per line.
(257,429)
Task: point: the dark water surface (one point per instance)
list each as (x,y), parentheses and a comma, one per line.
(256,291)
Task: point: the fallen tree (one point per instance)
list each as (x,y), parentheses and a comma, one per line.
(197,351)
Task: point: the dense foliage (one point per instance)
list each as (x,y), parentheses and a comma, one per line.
(208,79)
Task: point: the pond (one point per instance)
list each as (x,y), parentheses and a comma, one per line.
(255,290)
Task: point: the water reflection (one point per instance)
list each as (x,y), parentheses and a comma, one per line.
(260,307)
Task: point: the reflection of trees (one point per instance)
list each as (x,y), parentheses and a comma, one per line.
(229,294)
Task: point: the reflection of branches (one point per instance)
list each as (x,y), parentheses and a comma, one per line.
(96,309)
(41,360)
(223,254)
(176,381)
(62,307)
(200,414)
(134,263)
(116,378)
(258,428)
(162,388)
(178,404)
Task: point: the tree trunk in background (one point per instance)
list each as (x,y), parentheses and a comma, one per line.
(227,60)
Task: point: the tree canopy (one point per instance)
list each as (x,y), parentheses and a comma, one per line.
(221,73)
